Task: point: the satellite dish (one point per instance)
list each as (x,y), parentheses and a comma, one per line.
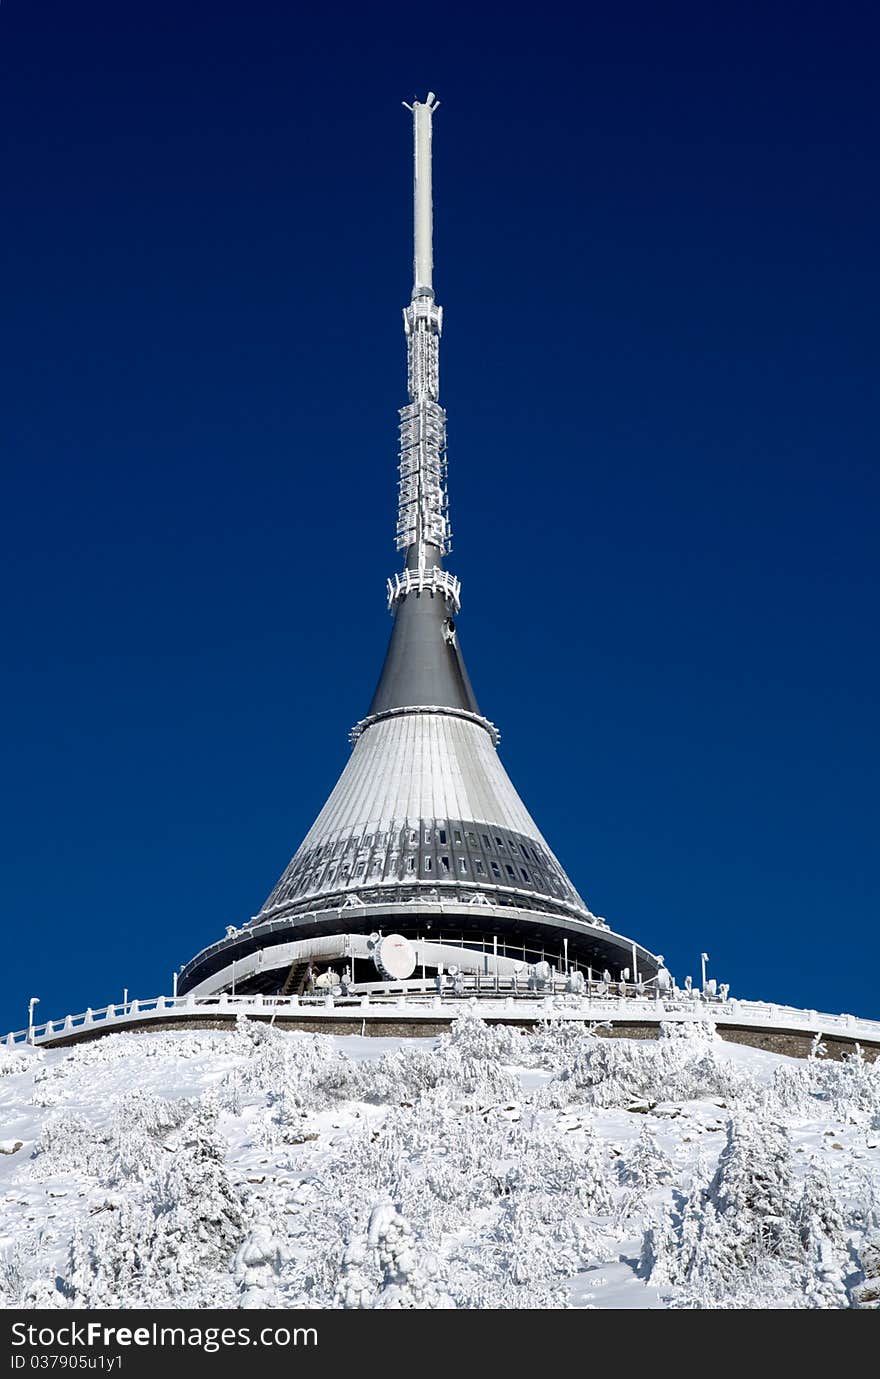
(394,957)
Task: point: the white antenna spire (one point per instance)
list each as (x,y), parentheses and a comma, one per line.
(422,523)
(423,258)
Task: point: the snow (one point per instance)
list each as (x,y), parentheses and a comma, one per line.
(487,1168)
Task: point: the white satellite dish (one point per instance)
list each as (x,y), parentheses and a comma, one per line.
(395,957)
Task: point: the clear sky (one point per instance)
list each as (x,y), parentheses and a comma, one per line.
(657,251)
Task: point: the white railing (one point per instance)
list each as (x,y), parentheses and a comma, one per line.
(373,1000)
(436,580)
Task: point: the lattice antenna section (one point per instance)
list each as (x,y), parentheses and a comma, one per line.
(423,503)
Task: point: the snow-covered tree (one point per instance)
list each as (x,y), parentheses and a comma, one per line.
(818,1047)
(159,1249)
(817,1216)
(645,1166)
(751,1189)
(660,1256)
(256,1265)
(826,1285)
(866,1293)
(387,1268)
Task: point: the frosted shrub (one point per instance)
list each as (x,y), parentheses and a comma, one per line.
(162,1249)
(405,1074)
(535,1247)
(824,1284)
(818,1220)
(255,1268)
(611,1072)
(18,1059)
(296,1064)
(389,1268)
(472,1038)
(793,1092)
(751,1189)
(139,1128)
(68,1144)
(851,1087)
(15,1265)
(575,1172)
(740,1226)
(867,1292)
(645,1166)
(555,1042)
(691,1031)
(660,1256)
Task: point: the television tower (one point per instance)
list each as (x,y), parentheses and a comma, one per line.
(424,835)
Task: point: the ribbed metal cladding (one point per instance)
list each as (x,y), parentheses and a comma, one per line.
(424,801)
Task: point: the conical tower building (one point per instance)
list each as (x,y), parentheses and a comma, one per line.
(424,834)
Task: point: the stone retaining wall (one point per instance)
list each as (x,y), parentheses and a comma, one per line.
(795,1043)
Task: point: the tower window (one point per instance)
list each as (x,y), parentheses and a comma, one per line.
(496,870)
(428,833)
(429,862)
(510,872)
(486,843)
(479,868)
(525,875)
(442,834)
(444,862)
(410,864)
(457,837)
(462,865)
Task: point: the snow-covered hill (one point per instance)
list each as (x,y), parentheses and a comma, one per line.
(489,1168)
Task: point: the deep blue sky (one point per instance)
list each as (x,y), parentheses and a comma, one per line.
(657,250)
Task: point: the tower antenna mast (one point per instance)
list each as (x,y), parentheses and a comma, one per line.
(423,530)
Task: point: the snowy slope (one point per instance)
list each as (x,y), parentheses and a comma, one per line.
(489,1168)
